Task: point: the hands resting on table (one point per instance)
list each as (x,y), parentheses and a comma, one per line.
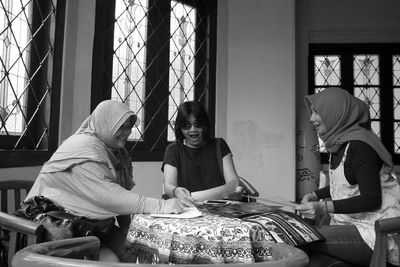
(175,205)
(183,198)
(311,207)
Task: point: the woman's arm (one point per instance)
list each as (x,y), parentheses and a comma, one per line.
(171,188)
(323,192)
(170,179)
(223,191)
(362,167)
(94,182)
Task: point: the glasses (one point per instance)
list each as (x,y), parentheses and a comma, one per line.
(188,125)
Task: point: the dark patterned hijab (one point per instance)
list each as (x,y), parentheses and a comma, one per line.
(346,118)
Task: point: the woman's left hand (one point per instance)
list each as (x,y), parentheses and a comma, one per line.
(184,195)
(237,195)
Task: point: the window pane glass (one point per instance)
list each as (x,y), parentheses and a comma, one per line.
(366,72)
(327,70)
(370,96)
(376,127)
(130,56)
(366,69)
(182,59)
(396,128)
(14,51)
(327,73)
(396,103)
(396,70)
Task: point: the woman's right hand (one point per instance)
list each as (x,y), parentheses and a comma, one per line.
(173,205)
(312,209)
(309,197)
(184,195)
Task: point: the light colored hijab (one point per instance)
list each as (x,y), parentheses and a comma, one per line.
(346,118)
(94,141)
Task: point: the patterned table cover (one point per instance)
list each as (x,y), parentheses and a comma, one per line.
(210,238)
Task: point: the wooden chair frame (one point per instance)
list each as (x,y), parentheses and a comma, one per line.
(21,233)
(384,227)
(17,186)
(16,233)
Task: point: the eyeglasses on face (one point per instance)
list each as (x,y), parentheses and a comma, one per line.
(188,125)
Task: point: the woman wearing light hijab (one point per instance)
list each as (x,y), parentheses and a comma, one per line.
(361,188)
(90,176)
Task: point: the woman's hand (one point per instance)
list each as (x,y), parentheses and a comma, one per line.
(238,194)
(309,197)
(183,195)
(173,205)
(311,210)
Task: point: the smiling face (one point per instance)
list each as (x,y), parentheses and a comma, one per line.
(192,131)
(122,134)
(316,120)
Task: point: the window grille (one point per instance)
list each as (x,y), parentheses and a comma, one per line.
(162,53)
(27,85)
(396,101)
(369,72)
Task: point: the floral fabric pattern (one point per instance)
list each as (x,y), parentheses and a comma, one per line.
(212,238)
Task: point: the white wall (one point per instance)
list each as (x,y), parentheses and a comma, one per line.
(256,68)
(77,66)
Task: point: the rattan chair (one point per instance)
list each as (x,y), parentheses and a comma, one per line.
(15,233)
(72,252)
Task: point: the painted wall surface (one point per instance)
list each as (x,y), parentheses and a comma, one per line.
(77,69)
(260,91)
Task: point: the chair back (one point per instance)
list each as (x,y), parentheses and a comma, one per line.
(70,252)
(15,233)
(12,193)
(18,233)
(383,228)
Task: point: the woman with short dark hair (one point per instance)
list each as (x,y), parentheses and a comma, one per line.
(191,165)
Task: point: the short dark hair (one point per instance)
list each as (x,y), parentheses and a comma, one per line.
(198,111)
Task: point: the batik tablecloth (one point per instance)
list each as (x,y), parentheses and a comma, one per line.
(212,238)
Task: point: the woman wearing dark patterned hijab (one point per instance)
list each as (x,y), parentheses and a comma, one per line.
(361,187)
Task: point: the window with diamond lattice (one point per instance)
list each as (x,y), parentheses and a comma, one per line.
(154,55)
(29,80)
(370,72)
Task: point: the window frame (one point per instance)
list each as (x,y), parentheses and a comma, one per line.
(346,51)
(102,69)
(28,155)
